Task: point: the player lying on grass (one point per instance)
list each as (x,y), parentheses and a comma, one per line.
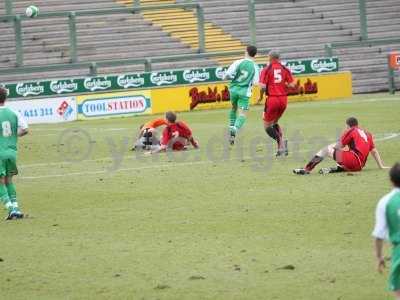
(147,138)
(350,152)
(274,81)
(387,226)
(244,74)
(13,126)
(176,135)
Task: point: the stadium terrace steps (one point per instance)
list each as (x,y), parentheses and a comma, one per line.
(46,41)
(273,31)
(301,29)
(182,24)
(52,5)
(368,65)
(383,22)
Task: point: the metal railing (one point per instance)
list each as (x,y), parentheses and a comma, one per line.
(391,76)
(363,43)
(137,7)
(147,62)
(362,6)
(72,16)
(9,7)
(368,43)
(253,21)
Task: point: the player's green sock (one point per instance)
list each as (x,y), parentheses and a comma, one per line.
(4,198)
(240,122)
(12,194)
(232,117)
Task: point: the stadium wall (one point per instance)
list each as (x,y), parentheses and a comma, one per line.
(157,92)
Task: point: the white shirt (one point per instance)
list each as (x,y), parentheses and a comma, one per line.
(381,228)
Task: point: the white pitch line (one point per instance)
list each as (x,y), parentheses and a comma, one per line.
(124,169)
(353,101)
(56,163)
(388,137)
(72,127)
(34,134)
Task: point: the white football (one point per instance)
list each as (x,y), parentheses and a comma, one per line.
(32,11)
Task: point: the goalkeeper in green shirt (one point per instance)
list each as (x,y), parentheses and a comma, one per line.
(13,126)
(244,73)
(387,226)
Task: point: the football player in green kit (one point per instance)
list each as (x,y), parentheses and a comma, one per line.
(13,126)
(387,226)
(244,73)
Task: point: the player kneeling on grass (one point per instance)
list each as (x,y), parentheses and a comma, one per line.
(176,136)
(12,126)
(350,152)
(387,226)
(147,138)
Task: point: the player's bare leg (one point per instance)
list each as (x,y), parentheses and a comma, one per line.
(275,132)
(327,151)
(397,294)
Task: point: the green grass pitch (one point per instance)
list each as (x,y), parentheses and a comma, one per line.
(208,224)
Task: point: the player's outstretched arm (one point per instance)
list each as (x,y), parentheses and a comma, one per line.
(194,143)
(262,93)
(22,131)
(162,148)
(375,154)
(379,255)
(338,145)
(23,127)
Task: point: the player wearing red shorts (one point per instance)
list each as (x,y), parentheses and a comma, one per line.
(350,152)
(274,80)
(176,135)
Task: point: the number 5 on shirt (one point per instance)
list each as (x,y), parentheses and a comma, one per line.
(277,75)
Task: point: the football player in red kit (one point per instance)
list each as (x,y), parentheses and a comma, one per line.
(176,135)
(350,152)
(274,81)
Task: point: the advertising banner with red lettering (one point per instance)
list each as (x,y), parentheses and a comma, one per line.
(204,96)
(216,95)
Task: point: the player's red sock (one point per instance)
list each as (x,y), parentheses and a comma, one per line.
(313,162)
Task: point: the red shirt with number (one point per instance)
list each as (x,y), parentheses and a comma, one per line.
(359,141)
(184,133)
(276,77)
